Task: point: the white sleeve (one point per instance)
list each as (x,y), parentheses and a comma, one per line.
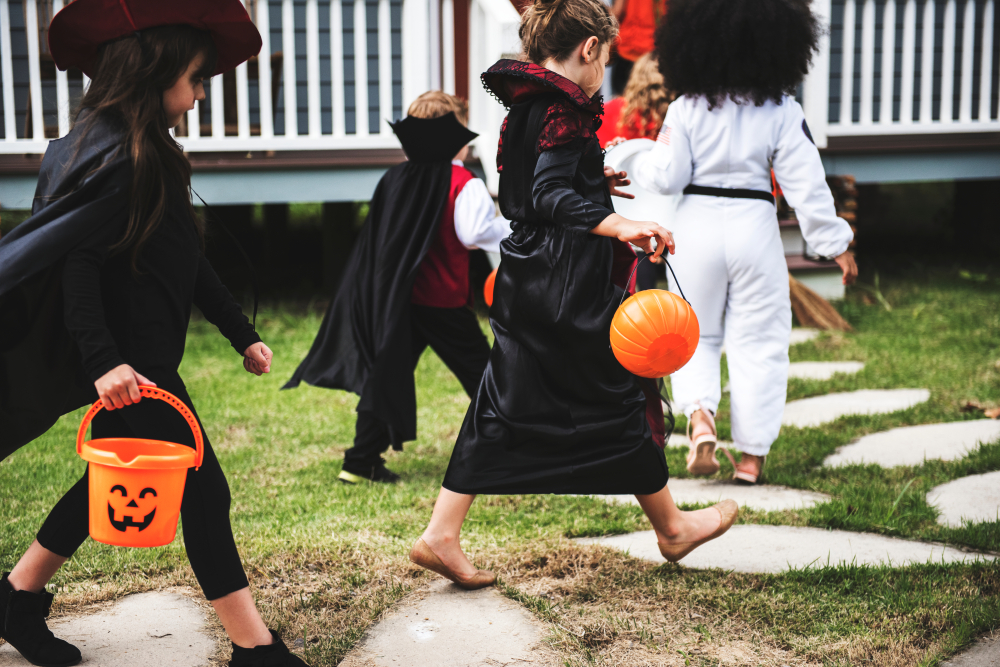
(476,221)
(667,167)
(800,175)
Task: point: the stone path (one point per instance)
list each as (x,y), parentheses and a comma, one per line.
(800,335)
(158,629)
(444,626)
(976,498)
(821,409)
(762,497)
(753,548)
(822,370)
(984,653)
(912,445)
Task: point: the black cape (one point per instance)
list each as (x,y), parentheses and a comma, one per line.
(82,186)
(555,411)
(363,344)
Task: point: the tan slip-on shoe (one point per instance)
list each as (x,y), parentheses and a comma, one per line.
(422,555)
(701,454)
(728,511)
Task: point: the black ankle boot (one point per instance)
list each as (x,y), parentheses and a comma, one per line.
(272,655)
(22,624)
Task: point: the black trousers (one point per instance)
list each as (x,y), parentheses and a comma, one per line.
(454,334)
(208,535)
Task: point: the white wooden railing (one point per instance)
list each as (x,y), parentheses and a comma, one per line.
(942,79)
(912,95)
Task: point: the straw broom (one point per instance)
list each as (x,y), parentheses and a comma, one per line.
(812,310)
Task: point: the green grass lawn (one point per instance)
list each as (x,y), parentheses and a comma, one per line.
(326,559)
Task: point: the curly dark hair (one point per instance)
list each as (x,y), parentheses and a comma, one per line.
(745,50)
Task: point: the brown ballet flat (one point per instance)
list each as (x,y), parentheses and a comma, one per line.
(728,510)
(422,555)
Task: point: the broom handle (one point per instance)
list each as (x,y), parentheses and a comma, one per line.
(151,392)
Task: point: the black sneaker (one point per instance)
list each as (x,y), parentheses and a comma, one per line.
(376,473)
(272,655)
(22,624)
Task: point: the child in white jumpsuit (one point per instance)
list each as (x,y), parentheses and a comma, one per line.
(718,147)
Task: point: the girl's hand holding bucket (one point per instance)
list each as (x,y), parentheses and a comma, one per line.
(120,387)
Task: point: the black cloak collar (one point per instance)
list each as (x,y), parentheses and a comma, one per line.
(432,139)
(513,81)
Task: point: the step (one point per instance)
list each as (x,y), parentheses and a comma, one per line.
(445,626)
(974,498)
(157,629)
(752,548)
(822,370)
(912,445)
(710,491)
(818,410)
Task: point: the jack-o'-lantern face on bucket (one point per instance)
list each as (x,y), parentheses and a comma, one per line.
(130,509)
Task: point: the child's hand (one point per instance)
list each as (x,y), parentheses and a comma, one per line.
(257,359)
(614,142)
(617,180)
(120,387)
(848,266)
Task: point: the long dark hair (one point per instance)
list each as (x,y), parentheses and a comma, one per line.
(129,77)
(744,50)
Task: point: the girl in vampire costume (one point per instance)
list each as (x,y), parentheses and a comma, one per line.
(555,411)
(96,290)
(737,119)
(406,286)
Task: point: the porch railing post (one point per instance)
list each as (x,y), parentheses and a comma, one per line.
(816,88)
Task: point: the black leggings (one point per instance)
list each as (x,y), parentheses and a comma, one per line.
(208,535)
(455,335)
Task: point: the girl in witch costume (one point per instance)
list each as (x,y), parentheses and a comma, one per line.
(104,274)
(555,411)
(406,286)
(735,120)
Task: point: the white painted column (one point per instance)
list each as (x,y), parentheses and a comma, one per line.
(847,66)
(312,69)
(434,37)
(948,63)
(34,71)
(909,55)
(384,67)
(816,87)
(416,49)
(986,65)
(927,64)
(337,67)
(218,109)
(448,46)
(288,69)
(360,68)
(965,85)
(194,122)
(888,62)
(7,71)
(62,87)
(264,71)
(242,102)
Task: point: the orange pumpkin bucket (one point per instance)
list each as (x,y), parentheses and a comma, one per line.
(488,287)
(136,485)
(653,333)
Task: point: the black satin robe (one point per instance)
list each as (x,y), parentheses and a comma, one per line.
(556,412)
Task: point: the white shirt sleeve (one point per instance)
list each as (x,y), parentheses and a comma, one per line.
(800,175)
(667,167)
(476,221)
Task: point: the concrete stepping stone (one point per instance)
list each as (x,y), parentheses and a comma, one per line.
(709,491)
(157,629)
(984,653)
(975,498)
(752,548)
(912,445)
(822,370)
(821,409)
(802,335)
(444,626)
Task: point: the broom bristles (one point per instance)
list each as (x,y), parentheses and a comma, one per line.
(812,310)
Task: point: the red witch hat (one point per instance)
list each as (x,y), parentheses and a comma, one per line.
(82,26)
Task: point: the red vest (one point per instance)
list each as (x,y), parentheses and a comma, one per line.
(443,277)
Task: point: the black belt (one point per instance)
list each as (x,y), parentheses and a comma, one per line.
(731,193)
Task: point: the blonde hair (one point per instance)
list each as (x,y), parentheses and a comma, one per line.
(646,97)
(434,104)
(554,28)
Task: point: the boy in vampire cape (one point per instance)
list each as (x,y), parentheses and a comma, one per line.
(406,286)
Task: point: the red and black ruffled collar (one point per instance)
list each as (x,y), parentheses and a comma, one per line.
(513,81)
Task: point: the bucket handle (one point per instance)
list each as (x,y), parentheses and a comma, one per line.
(151,392)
